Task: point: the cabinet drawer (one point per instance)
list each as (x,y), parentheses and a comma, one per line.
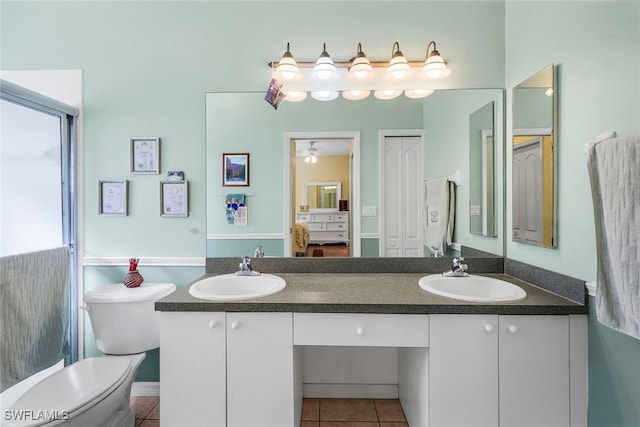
(320,217)
(303,217)
(340,217)
(336,226)
(328,236)
(316,226)
(379,330)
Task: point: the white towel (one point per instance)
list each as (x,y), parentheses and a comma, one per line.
(614,171)
(438,213)
(34,316)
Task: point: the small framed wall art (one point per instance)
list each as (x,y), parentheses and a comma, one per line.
(145,155)
(235,169)
(174,198)
(112,198)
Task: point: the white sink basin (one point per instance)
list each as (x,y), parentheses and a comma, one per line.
(229,287)
(472,288)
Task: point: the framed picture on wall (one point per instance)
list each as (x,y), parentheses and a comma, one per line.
(112,198)
(174,198)
(235,169)
(145,155)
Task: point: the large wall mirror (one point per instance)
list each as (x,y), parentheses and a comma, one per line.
(244,122)
(534,159)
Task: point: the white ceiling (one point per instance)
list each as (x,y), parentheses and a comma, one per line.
(324,147)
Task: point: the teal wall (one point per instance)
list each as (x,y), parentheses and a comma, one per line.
(147,66)
(592,98)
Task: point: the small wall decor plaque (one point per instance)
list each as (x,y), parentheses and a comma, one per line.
(235,169)
(112,198)
(174,198)
(145,155)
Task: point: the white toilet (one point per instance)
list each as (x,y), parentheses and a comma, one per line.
(96,391)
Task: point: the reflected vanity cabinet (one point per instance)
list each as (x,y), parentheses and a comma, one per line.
(216,365)
(490,370)
(326,227)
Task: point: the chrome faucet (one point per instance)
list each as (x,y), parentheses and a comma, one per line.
(244,268)
(457,268)
(258,253)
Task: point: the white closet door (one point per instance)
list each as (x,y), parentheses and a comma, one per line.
(402,195)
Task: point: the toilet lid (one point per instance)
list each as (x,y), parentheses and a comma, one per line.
(70,389)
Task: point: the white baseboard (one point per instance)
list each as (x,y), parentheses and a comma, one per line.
(347,391)
(145,389)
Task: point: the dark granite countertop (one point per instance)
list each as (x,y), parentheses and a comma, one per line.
(395,293)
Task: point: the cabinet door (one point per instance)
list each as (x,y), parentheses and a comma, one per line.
(534,371)
(260,370)
(463,370)
(192,369)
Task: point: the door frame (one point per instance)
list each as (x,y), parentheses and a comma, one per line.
(382,135)
(354,209)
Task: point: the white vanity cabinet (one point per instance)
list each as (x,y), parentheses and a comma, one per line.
(193,369)
(215,365)
(260,370)
(507,371)
(326,227)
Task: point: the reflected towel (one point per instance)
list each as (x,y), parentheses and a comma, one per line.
(301,236)
(614,171)
(438,212)
(34,318)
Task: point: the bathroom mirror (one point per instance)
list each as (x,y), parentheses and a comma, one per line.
(244,122)
(481,171)
(534,202)
(322,196)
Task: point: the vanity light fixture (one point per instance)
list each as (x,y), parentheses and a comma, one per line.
(324,68)
(398,66)
(324,95)
(360,66)
(295,96)
(355,95)
(287,67)
(417,93)
(387,94)
(434,66)
(362,76)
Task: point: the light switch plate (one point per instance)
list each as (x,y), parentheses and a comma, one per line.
(368,211)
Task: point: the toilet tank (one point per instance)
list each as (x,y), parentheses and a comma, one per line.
(123,319)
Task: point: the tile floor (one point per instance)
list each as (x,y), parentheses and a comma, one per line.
(147,410)
(352,413)
(315,412)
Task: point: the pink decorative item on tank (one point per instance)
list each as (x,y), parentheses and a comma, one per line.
(133,279)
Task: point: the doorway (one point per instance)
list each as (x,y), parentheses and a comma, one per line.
(325,225)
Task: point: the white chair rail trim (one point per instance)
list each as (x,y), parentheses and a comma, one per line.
(146,261)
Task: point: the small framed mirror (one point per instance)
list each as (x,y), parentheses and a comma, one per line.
(534,207)
(322,196)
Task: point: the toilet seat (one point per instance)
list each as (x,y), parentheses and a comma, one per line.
(84,383)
